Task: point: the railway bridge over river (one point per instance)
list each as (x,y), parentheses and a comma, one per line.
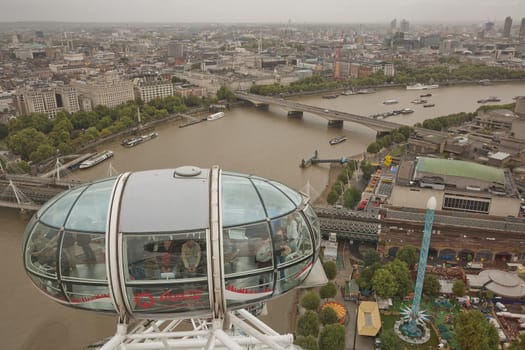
(29,193)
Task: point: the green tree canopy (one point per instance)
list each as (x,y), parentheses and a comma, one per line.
(26,141)
(370,257)
(459,288)
(384,283)
(351,197)
(401,273)
(408,254)
(329,290)
(311,301)
(307,343)
(308,324)
(330,269)
(431,286)
(225,94)
(328,316)
(473,331)
(332,197)
(390,340)
(332,337)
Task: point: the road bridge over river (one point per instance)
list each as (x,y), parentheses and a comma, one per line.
(335,118)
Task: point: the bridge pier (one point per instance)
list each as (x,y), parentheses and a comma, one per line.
(336,123)
(262,106)
(295,114)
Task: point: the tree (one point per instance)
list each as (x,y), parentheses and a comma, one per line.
(458,288)
(367,169)
(26,141)
(365,277)
(4,131)
(43,151)
(307,343)
(518,344)
(351,197)
(330,269)
(329,290)
(390,340)
(384,283)
(408,254)
(371,257)
(328,316)
(225,94)
(332,337)
(311,301)
(374,147)
(431,286)
(308,324)
(399,269)
(332,197)
(473,331)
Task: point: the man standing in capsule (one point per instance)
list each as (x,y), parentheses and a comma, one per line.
(191,257)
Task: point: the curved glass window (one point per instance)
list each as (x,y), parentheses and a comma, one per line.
(83,256)
(90,211)
(290,277)
(56,215)
(89,296)
(247,248)
(275,202)
(240,201)
(49,287)
(165,257)
(297,240)
(240,291)
(294,196)
(314,223)
(41,251)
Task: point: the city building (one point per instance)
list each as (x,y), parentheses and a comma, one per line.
(46,99)
(190,90)
(36,100)
(176,49)
(404,26)
(149,90)
(507,26)
(393,25)
(458,186)
(522,29)
(109,91)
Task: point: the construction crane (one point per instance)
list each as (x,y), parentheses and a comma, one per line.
(338,45)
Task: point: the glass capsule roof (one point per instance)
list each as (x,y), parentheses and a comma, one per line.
(173,200)
(84,208)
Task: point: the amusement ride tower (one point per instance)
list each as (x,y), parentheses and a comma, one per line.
(413,316)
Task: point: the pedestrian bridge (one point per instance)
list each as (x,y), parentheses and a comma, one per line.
(335,118)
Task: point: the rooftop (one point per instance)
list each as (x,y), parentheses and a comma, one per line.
(460,168)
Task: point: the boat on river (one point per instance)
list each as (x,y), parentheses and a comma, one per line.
(425,95)
(330,96)
(419,86)
(390,102)
(489,99)
(134,141)
(428,105)
(215,116)
(96,159)
(337,140)
(419,101)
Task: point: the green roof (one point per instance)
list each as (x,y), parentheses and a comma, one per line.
(461,169)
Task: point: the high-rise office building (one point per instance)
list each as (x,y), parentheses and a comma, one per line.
(176,49)
(507,26)
(522,29)
(393,24)
(404,25)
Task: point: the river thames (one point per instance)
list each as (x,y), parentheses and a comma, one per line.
(266,143)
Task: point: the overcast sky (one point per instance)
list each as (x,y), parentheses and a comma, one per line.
(298,11)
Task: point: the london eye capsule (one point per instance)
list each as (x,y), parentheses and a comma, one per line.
(172,243)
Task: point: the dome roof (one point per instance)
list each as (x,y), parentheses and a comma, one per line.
(152,243)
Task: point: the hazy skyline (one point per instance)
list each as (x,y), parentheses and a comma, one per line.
(236,11)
